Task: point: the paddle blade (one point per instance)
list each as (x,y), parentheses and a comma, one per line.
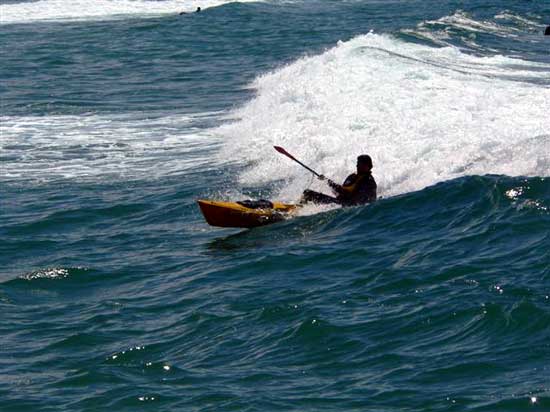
(283,151)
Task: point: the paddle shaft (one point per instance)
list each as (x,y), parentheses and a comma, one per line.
(284,152)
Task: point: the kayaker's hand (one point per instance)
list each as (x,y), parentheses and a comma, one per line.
(332,184)
(321,177)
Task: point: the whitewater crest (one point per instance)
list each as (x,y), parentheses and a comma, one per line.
(79,10)
(424,114)
(463,28)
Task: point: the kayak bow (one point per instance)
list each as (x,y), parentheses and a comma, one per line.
(245,214)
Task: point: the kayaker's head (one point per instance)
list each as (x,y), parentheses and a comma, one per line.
(364,164)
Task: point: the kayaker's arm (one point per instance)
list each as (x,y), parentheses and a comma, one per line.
(339,189)
(336,188)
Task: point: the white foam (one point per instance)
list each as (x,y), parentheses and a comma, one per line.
(101,147)
(465,26)
(424,114)
(78,10)
(464,21)
(520,20)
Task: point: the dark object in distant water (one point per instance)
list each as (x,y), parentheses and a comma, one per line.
(547,31)
(196,11)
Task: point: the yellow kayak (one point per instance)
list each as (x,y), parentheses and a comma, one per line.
(245,214)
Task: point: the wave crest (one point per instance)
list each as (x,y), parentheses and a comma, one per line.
(424,114)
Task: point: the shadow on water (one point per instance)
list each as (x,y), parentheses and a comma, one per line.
(297,231)
(230,243)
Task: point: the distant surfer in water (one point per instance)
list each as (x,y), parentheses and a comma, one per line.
(196,11)
(358,189)
(547,31)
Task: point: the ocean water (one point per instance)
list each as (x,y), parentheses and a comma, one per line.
(116,116)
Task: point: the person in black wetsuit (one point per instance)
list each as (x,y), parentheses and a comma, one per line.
(196,11)
(358,189)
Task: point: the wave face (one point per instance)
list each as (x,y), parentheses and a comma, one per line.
(413,302)
(116,295)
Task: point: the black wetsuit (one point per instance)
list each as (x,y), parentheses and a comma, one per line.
(356,190)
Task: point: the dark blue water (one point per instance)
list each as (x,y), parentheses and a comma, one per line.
(114,292)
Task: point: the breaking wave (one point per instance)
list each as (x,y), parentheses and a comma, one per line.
(425,114)
(48,10)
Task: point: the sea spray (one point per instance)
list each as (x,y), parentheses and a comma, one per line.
(424,114)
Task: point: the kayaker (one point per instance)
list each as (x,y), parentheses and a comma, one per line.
(358,189)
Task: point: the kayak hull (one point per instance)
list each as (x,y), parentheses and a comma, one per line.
(232,214)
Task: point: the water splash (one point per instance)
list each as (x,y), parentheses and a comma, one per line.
(424,114)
